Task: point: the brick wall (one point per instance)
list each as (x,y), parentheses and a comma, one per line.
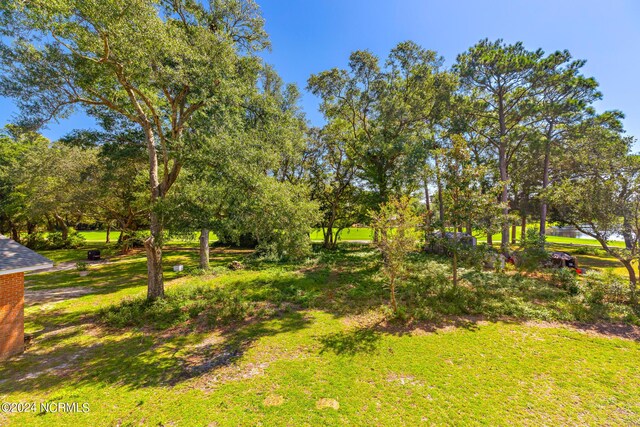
(11,314)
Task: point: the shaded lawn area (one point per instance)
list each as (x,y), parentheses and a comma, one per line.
(315,350)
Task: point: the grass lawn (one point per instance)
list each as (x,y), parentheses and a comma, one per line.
(347,234)
(307,344)
(360,233)
(363,233)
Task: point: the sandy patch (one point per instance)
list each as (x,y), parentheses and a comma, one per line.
(326,403)
(273,400)
(54,295)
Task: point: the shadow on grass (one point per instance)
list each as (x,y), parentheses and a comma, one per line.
(350,343)
(131,359)
(207,358)
(365,339)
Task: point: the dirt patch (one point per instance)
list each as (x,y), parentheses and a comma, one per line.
(326,403)
(54,295)
(404,380)
(231,372)
(273,400)
(45,348)
(368,319)
(600,329)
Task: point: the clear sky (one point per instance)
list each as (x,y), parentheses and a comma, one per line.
(311,36)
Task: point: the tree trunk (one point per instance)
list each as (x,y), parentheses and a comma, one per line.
(545,184)
(632,280)
(514,234)
(454,262)
(153,244)
(454,267)
(15,234)
(439,183)
(204,249)
(504,198)
(62,225)
(427,202)
(153,247)
(51,223)
(523,225)
(489,238)
(394,304)
(469,229)
(627,234)
(108,239)
(329,240)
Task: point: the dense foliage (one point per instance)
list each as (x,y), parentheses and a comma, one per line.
(198,135)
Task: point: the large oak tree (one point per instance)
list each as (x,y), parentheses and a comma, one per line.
(157,63)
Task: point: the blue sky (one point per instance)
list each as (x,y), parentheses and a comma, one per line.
(311,36)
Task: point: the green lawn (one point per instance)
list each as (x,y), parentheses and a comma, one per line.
(361,233)
(314,348)
(347,234)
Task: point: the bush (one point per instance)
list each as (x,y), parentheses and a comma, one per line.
(214,305)
(73,241)
(533,253)
(82,266)
(566,279)
(586,250)
(474,257)
(36,241)
(54,240)
(599,288)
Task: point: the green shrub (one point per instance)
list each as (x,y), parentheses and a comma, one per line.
(216,306)
(566,278)
(36,241)
(54,240)
(587,250)
(82,266)
(73,240)
(473,257)
(599,288)
(533,253)
(617,287)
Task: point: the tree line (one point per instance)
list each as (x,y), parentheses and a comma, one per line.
(198,134)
